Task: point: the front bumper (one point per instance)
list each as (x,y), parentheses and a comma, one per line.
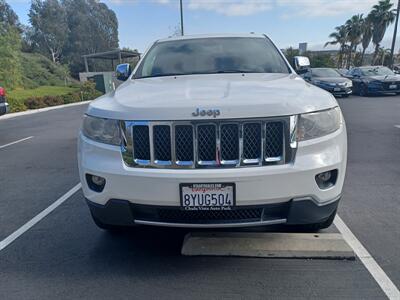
(255,186)
(294,212)
(382,89)
(338,91)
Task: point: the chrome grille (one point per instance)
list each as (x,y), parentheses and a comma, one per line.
(208,144)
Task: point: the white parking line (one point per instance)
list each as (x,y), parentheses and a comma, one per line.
(19,141)
(369,262)
(28,225)
(397,126)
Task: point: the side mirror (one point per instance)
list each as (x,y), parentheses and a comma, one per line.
(123,72)
(301,64)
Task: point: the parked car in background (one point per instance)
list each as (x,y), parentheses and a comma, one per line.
(213,131)
(396,69)
(342,72)
(374,80)
(3,102)
(330,80)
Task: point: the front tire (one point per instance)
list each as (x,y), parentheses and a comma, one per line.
(363,90)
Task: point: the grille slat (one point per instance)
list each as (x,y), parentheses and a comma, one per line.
(230,142)
(215,144)
(252,141)
(273,140)
(141,142)
(206,143)
(184,143)
(162,142)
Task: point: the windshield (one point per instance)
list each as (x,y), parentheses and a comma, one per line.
(325,73)
(211,56)
(376,71)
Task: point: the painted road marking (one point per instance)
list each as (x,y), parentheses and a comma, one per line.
(16,142)
(369,262)
(397,126)
(28,225)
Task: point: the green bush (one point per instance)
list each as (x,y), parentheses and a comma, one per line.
(21,100)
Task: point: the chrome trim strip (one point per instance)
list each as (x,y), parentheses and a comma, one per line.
(293,131)
(273,159)
(217,225)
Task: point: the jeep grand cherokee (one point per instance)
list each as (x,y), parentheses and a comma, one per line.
(213,131)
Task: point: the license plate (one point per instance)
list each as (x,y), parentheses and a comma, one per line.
(336,89)
(207,196)
(393,86)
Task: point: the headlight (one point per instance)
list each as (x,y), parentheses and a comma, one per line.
(349,84)
(101,130)
(317,124)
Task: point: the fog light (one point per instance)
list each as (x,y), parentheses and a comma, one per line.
(95,183)
(326,179)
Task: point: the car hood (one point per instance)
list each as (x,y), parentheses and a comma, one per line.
(384,78)
(332,79)
(234,95)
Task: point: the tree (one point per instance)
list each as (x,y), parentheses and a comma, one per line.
(339,38)
(382,15)
(354,34)
(290,53)
(50,30)
(93,27)
(366,36)
(10,45)
(7,16)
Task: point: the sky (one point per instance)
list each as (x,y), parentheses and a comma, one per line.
(286,22)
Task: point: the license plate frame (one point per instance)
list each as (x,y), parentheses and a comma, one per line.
(208,186)
(337,89)
(392,86)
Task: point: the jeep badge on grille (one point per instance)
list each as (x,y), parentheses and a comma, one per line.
(202,112)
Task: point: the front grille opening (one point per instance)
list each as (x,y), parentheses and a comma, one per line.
(226,216)
(162,142)
(141,143)
(184,143)
(206,142)
(252,141)
(230,142)
(273,140)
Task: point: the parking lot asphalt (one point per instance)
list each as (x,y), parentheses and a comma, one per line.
(65,256)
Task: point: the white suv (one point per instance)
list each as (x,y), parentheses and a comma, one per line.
(213,131)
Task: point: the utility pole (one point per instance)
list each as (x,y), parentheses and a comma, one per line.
(182,17)
(394,35)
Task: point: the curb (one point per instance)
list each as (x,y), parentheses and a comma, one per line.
(34,111)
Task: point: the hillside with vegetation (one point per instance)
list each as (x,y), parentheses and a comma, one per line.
(40,63)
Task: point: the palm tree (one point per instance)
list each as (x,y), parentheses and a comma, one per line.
(383,53)
(339,37)
(382,15)
(366,36)
(354,34)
